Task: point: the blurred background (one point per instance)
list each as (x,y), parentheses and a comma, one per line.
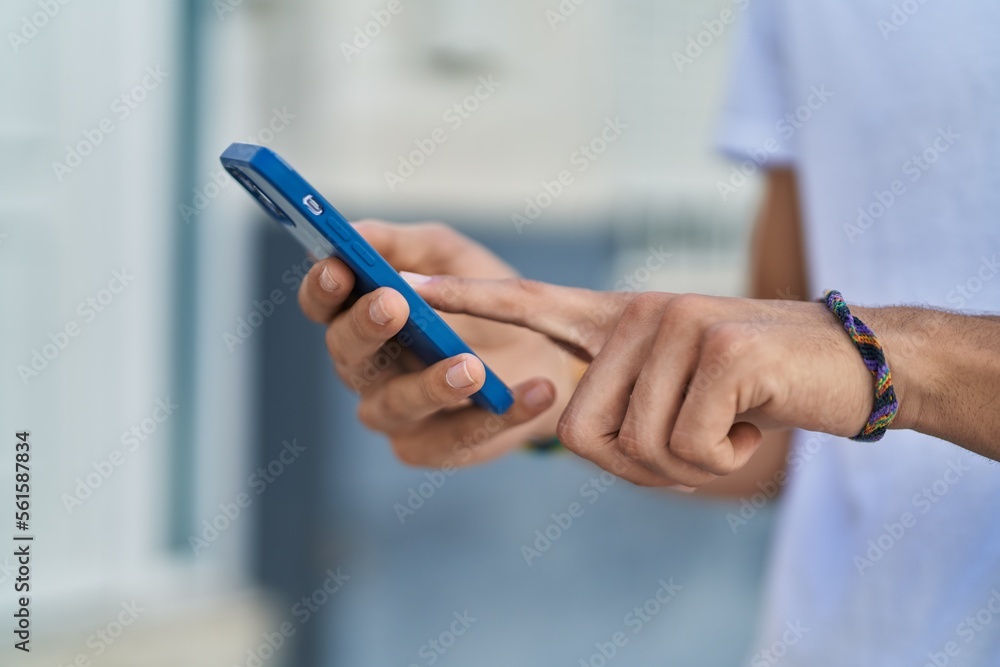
(201,491)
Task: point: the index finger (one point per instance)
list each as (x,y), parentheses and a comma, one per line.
(580,318)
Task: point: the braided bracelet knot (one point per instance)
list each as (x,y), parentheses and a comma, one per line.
(886,404)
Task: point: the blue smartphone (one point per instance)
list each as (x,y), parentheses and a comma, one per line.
(324,232)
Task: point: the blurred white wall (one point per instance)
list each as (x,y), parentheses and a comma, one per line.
(89,143)
(276,71)
(358,109)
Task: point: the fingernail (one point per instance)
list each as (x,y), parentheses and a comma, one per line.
(327,281)
(458,376)
(378,313)
(414,278)
(538,396)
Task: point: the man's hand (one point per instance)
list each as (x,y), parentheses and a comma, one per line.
(680,385)
(425,411)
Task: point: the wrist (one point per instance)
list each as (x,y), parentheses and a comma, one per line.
(907,340)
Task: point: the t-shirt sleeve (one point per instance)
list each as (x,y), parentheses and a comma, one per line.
(757,100)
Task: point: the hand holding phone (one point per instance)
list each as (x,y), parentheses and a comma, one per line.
(320,228)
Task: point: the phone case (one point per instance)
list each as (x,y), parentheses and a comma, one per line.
(324,232)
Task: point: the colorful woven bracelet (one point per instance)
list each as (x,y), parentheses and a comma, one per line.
(886,405)
(547,446)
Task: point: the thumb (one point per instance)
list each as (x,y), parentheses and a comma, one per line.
(576,318)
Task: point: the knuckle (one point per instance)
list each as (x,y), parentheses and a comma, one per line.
(682,446)
(683,309)
(407,453)
(723,337)
(643,307)
(635,446)
(368,416)
(397,399)
(519,296)
(571,430)
(644,303)
(394,405)
(723,345)
(446,291)
(722,353)
(526,286)
(632,449)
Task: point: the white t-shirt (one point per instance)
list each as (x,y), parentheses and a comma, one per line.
(886,553)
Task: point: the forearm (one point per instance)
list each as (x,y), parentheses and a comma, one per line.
(946,370)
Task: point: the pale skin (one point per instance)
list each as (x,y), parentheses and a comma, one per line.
(682,391)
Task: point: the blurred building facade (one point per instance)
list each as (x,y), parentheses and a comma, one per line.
(158,381)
